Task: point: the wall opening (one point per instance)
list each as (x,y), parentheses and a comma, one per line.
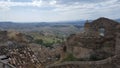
(101,31)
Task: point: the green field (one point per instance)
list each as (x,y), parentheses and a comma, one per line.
(48,40)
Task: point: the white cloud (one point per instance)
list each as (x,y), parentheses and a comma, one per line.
(78,5)
(54,2)
(37,3)
(8,4)
(62,9)
(60,6)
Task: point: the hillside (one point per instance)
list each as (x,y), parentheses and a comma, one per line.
(44,27)
(45,33)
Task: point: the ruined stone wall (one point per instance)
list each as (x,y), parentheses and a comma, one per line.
(87,46)
(91,38)
(107,24)
(83,53)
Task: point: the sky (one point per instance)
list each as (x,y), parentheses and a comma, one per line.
(57,10)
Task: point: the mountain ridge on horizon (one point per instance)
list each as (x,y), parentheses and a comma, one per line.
(37,25)
(118,19)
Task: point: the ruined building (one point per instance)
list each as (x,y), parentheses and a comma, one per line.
(98,40)
(98,46)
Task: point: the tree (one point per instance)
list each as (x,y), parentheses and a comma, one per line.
(39,41)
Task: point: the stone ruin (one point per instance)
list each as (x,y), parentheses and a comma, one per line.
(98,40)
(98,46)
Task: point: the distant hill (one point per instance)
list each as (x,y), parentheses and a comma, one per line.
(7,25)
(118,20)
(46,28)
(36,26)
(66,27)
(16,25)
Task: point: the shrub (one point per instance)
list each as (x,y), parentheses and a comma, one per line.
(39,41)
(70,57)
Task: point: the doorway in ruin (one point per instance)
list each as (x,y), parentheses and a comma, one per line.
(102,31)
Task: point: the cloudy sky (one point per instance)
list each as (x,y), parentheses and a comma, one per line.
(57,10)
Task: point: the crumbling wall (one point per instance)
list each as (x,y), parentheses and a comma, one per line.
(107,24)
(103,46)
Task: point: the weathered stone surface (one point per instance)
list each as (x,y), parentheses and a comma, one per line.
(82,53)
